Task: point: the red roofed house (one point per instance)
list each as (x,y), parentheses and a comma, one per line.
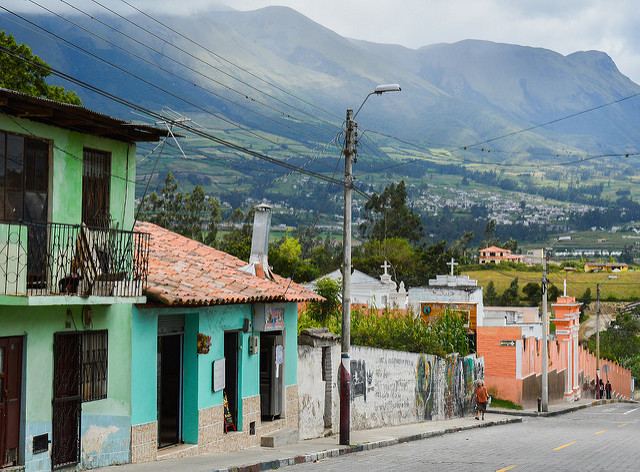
(496,255)
(214,349)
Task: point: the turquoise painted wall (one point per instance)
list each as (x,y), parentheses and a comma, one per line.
(198,372)
(291,344)
(191,378)
(144,366)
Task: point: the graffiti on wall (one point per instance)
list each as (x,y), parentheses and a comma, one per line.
(444,387)
(424,388)
(358,379)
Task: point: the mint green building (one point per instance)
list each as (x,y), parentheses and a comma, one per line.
(71,268)
(214,352)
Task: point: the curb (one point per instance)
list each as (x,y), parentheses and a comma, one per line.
(562,411)
(340,451)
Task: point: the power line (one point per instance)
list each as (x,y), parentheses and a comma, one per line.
(181,125)
(153,64)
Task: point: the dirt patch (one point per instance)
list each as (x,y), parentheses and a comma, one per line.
(608,312)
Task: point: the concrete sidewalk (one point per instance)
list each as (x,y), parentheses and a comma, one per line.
(262,458)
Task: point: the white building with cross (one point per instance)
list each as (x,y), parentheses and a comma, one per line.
(455,292)
(369,291)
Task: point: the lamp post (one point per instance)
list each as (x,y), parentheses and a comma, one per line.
(545,327)
(610,277)
(345,370)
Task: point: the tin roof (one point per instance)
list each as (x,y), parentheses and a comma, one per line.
(75,118)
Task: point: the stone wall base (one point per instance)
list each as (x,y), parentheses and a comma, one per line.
(211,436)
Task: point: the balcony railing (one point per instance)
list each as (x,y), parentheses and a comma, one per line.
(62,259)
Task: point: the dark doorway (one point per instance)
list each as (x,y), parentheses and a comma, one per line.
(231,375)
(66,399)
(10,396)
(169,389)
(271,374)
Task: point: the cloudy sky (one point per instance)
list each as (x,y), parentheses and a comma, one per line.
(564,26)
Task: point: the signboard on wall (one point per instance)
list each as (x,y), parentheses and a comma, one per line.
(218,375)
(433,310)
(273,318)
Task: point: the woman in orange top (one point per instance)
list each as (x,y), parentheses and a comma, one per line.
(482,396)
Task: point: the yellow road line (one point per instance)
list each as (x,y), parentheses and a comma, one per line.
(507,468)
(623,424)
(563,446)
(600,432)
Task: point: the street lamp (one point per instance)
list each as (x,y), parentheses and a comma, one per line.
(345,376)
(545,327)
(610,277)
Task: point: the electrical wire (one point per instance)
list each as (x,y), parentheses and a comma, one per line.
(181,125)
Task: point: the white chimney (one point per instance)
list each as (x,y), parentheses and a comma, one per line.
(259,258)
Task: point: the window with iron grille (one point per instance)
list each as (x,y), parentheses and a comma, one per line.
(96,188)
(94,365)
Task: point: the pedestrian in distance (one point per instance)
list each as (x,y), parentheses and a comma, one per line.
(482,396)
(608,389)
(601,389)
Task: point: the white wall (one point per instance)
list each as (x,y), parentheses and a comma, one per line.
(388,388)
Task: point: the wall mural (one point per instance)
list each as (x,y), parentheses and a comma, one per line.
(392,387)
(444,387)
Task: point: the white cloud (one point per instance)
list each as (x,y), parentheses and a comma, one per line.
(564,26)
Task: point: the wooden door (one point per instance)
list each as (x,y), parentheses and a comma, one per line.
(10,396)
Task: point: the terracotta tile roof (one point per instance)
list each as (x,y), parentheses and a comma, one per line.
(183,272)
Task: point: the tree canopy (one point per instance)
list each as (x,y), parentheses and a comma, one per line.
(387,216)
(28,72)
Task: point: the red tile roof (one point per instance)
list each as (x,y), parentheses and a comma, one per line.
(184,272)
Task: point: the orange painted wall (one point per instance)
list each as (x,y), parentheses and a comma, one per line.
(500,362)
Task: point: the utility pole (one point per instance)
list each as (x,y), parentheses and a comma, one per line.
(545,335)
(345,365)
(598,341)
(345,369)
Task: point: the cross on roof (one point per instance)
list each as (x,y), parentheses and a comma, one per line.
(385,266)
(452,264)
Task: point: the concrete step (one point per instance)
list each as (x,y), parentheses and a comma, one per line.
(282,437)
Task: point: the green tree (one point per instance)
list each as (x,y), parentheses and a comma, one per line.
(621,342)
(25,72)
(586,300)
(330,308)
(237,242)
(387,216)
(511,296)
(193,215)
(490,295)
(533,292)
(284,255)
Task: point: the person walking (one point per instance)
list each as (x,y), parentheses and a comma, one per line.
(608,389)
(482,396)
(601,389)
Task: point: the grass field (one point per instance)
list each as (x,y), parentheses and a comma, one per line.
(626,287)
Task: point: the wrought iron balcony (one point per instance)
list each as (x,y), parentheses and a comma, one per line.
(61,259)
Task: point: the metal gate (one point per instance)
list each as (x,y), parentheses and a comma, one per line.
(66,399)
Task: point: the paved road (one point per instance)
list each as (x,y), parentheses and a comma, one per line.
(604,437)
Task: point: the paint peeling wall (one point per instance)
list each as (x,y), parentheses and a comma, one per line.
(389,388)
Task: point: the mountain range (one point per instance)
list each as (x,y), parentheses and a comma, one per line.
(276,71)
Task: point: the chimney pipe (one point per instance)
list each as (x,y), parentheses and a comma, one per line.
(259,260)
